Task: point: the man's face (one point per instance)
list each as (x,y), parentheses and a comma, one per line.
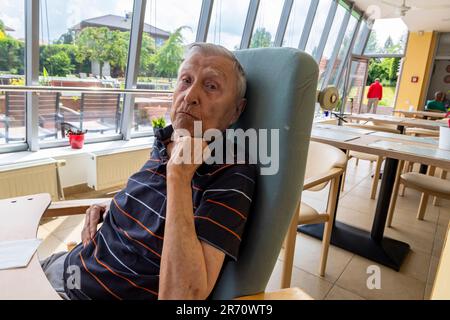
(206,91)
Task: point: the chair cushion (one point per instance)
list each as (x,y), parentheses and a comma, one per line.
(363,156)
(309,215)
(422,181)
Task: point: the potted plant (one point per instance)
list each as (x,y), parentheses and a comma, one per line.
(159,125)
(76,138)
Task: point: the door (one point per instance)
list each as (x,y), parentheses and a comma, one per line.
(355,83)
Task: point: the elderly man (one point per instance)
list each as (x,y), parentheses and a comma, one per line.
(167,234)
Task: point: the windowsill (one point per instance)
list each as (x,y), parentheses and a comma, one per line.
(100,147)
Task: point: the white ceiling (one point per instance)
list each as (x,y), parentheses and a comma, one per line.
(425,15)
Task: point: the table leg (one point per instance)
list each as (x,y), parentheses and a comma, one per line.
(371,245)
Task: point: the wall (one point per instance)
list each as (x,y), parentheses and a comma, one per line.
(417,62)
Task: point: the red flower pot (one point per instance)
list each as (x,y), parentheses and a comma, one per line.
(76,140)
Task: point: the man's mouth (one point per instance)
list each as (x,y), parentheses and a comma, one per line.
(190,115)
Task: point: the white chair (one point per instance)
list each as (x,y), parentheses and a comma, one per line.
(325,165)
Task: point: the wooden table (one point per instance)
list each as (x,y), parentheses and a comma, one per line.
(394,147)
(421,114)
(400,122)
(20,220)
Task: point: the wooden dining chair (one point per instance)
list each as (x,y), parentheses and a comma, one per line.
(325,165)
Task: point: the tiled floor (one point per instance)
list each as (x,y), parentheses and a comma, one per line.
(346,275)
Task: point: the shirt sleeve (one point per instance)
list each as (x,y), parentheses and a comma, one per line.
(223,211)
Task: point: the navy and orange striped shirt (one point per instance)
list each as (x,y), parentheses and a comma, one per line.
(123,259)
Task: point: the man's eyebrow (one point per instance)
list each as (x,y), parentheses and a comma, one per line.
(215,72)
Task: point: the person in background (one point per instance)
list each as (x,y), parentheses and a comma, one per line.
(437,105)
(374,95)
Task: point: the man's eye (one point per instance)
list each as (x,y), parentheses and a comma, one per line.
(186,80)
(211,86)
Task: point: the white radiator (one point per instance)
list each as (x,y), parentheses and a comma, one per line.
(32,177)
(107,169)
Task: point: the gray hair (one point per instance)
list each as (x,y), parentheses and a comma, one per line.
(210,49)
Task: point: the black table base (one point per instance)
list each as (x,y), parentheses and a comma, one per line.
(388,252)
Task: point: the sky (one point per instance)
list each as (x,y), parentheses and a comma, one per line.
(171,14)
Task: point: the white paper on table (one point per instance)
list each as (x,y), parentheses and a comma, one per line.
(18,253)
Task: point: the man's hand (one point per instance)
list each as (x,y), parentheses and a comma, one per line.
(186,156)
(94,215)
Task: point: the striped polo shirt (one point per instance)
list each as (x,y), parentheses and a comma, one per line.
(123,259)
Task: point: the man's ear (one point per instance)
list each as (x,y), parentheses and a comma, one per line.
(240,106)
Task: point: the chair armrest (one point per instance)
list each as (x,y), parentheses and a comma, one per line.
(71,207)
(65,109)
(317,180)
(283,294)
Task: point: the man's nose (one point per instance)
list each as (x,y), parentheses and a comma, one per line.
(192,95)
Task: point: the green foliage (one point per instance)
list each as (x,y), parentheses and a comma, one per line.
(385,69)
(58,59)
(147,63)
(12,55)
(159,123)
(103,45)
(169,57)
(261,39)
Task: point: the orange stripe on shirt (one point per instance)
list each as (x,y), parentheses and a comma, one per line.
(98,280)
(218,224)
(157,173)
(139,242)
(137,221)
(229,208)
(118,275)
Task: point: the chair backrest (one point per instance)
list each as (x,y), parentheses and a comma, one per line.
(15,108)
(321,159)
(281,93)
(48,109)
(100,106)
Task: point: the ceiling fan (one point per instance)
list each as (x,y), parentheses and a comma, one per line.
(403,9)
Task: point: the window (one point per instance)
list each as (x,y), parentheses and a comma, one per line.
(227,23)
(12,65)
(318,26)
(266,24)
(342,54)
(82,48)
(388,36)
(296,23)
(360,40)
(331,42)
(174,22)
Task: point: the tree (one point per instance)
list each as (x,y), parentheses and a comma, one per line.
(169,57)
(103,45)
(12,55)
(261,39)
(66,38)
(58,59)
(388,44)
(372,43)
(393,69)
(147,63)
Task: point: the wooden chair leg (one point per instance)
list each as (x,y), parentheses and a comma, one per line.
(425,196)
(406,168)
(332,200)
(394,193)
(376,178)
(443,176)
(289,250)
(345,170)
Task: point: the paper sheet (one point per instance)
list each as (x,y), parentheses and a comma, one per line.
(18,253)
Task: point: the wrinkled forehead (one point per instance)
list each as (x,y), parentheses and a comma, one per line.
(215,65)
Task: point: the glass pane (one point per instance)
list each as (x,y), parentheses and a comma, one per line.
(356,86)
(227,23)
(82,48)
(12,48)
(266,24)
(317,27)
(387,36)
(343,49)
(175,22)
(331,42)
(296,23)
(359,41)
